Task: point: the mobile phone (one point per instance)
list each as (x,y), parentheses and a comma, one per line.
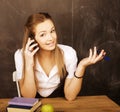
(32,37)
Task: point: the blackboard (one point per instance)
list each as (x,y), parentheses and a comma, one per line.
(81,24)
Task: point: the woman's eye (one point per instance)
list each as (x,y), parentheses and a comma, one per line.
(52,31)
(42,35)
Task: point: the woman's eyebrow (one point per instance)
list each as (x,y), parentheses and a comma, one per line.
(53,27)
(45,30)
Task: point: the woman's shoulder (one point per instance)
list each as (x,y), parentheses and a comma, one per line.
(69,52)
(18,53)
(70,55)
(66,48)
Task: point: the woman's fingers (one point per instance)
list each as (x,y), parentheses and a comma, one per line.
(100,56)
(94,57)
(35,50)
(27,44)
(31,46)
(95,53)
(90,53)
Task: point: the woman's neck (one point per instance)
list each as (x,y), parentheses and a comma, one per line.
(46,60)
(45,54)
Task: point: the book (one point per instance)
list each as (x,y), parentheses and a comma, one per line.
(23,101)
(22,108)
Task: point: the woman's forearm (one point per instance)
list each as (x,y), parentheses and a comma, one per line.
(74,86)
(28,84)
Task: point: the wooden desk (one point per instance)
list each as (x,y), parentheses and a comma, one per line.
(81,104)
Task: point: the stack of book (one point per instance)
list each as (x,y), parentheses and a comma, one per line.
(20,104)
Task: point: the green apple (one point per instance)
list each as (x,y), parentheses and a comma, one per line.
(47,108)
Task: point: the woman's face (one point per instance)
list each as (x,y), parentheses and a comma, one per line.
(45,35)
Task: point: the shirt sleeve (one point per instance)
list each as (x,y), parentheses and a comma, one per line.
(18,63)
(71,59)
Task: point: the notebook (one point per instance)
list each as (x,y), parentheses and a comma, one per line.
(23,101)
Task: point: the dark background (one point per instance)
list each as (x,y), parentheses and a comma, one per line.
(81,24)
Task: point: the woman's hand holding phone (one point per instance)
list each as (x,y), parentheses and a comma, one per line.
(30,50)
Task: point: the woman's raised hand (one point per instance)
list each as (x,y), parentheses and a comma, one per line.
(30,50)
(93,57)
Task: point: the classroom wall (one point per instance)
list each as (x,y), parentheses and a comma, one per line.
(81,24)
(97,23)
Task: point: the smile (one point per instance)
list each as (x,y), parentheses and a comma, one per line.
(50,44)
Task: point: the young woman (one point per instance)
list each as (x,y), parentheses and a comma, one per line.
(43,66)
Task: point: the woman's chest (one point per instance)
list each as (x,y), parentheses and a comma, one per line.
(47,65)
(45,81)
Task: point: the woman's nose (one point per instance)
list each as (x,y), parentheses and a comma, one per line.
(50,37)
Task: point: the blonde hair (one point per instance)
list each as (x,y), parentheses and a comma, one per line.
(29,30)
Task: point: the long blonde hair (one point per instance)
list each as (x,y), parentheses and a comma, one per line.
(29,30)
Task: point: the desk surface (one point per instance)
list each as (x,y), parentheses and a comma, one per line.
(81,104)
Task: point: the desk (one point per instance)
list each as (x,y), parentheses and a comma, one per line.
(81,104)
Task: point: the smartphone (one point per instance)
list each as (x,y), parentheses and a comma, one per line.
(32,37)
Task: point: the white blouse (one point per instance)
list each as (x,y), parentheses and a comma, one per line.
(46,85)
